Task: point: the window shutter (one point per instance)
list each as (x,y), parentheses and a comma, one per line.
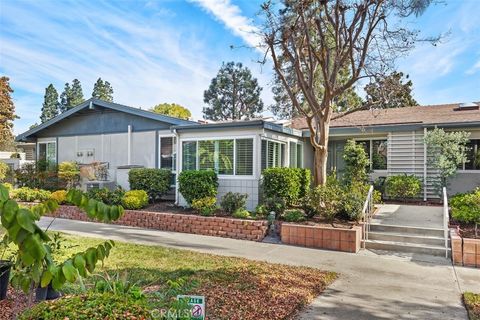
(206,155)
(264,154)
(244,161)
(189,160)
(293,154)
(225,156)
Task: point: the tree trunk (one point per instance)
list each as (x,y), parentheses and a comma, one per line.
(320,166)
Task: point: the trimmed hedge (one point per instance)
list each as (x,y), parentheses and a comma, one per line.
(194,185)
(290,184)
(135,199)
(403,186)
(155,182)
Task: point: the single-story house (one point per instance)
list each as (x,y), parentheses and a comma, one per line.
(122,136)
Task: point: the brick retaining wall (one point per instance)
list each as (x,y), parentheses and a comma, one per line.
(253,230)
(465,251)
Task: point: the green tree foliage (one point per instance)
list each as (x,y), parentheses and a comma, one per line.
(403,186)
(7,115)
(447,151)
(103,90)
(172,110)
(356,163)
(391,91)
(71,96)
(50,106)
(233,94)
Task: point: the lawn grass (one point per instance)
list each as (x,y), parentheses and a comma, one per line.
(234,288)
(472,302)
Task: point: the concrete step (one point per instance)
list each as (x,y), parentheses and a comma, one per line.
(407,230)
(406,238)
(405,247)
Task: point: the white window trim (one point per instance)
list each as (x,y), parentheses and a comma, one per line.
(286,155)
(47,142)
(174,161)
(234,138)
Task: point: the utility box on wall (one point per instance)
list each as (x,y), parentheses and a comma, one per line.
(122,175)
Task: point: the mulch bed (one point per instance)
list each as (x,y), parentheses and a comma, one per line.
(472,302)
(465,230)
(15,303)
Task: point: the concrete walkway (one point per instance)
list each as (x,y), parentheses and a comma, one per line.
(369,286)
(410,216)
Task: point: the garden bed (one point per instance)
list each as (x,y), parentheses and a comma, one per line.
(472,303)
(322,236)
(234,288)
(254,230)
(465,251)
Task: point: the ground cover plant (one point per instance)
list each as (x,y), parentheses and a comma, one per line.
(235,288)
(465,209)
(472,302)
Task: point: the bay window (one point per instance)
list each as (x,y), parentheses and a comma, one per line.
(296,154)
(273,154)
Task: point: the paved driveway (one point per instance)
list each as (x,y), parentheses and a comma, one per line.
(369,286)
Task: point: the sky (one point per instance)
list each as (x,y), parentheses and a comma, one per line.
(169,50)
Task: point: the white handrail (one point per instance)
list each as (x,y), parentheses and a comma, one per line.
(445,220)
(366,215)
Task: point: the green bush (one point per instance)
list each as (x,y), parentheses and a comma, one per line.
(31,195)
(205,206)
(293,215)
(403,186)
(353,198)
(261,210)
(39,176)
(466,207)
(290,184)
(356,163)
(135,199)
(326,201)
(241,214)
(69,172)
(156,182)
(3,171)
(107,196)
(60,196)
(232,201)
(89,306)
(274,204)
(197,184)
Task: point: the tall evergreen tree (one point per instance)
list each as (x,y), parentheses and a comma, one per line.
(103,90)
(233,94)
(50,106)
(7,115)
(71,96)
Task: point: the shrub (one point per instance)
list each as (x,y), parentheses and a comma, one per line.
(353,198)
(293,215)
(232,201)
(197,184)
(9,186)
(261,210)
(135,199)
(356,163)
(466,208)
(60,196)
(69,172)
(89,306)
(325,201)
(106,195)
(156,182)
(290,184)
(38,176)
(31,195)
(206,206)
(241,214)
(403,186)
(274,204)
(3,171)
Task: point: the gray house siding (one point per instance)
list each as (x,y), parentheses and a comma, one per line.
(99,121)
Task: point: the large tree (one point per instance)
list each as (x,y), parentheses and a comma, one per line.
(334,44)
(103,90)
(71,96)
(51,106)
(172,110)
(7,115)
(400,96)
(233,94)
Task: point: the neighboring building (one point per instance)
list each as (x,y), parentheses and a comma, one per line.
(121,136)
(393,139)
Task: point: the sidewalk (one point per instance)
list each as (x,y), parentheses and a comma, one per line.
(369,286)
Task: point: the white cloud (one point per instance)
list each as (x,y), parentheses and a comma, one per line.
(474,69)
(231,16)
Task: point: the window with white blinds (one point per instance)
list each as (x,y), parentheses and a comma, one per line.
(273,154)
(296,154)
(244,160)
(189,155)
(226,156)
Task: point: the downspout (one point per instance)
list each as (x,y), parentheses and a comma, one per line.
(177,165)
(424,165)
(129,145)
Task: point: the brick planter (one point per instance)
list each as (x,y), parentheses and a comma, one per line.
(465,251)
(338,239)
(209,226)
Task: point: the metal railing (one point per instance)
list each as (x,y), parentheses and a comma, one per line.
(445,220)
(367,212)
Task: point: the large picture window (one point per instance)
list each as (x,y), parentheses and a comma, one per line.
(473,155)
(47,152)
(377,153)
(226,156)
